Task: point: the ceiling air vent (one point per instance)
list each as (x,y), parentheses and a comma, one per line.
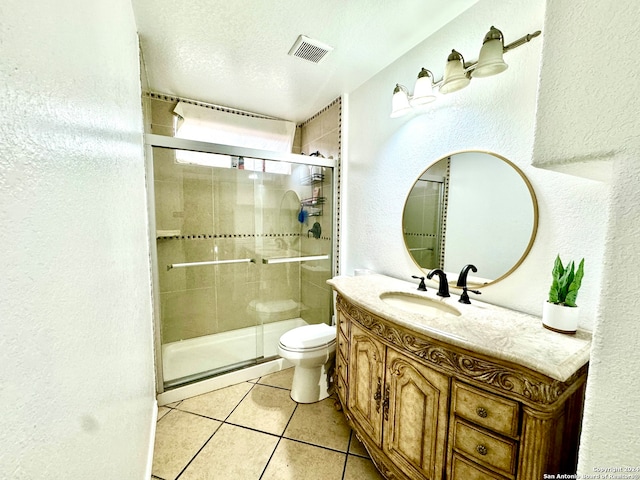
(309,49)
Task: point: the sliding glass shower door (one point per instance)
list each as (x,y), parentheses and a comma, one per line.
(243,252)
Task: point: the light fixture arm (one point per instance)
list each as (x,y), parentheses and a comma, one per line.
(521,41)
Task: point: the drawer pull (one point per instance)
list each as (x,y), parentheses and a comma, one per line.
(481,449)
(482,412)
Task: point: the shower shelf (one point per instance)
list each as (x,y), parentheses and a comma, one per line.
(310,202)
(313,179)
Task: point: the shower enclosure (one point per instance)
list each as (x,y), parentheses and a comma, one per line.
(243,249)
(424,219)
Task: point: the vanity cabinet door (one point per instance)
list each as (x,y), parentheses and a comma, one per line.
(415,417)
(366,380)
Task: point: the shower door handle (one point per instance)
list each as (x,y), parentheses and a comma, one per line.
(212,262)
(294,259)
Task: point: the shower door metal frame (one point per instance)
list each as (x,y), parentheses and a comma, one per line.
(163,141)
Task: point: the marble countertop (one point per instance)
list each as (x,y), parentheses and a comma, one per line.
(514,336)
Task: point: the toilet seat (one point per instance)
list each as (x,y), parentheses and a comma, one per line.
(308,338)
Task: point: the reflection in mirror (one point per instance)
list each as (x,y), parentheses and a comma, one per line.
(471,207)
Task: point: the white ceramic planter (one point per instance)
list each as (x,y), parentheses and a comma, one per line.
(560,318)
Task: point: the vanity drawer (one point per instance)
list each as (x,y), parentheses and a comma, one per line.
(490,411)
(343,345)
(341,374)
(342,386)
(463,469)
(344,326)
(485,448)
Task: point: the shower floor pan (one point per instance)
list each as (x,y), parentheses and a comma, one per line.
(189,360)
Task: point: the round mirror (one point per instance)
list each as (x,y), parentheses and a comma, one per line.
(474,208)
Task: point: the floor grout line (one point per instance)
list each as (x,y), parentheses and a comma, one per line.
(214,432)
(280,437)
(266,465)
(346,457)
(198,452)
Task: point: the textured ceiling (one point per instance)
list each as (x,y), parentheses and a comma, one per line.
(235,53)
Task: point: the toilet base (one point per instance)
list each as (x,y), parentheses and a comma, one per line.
(310,385)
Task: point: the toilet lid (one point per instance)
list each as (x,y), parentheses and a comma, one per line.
(309,336)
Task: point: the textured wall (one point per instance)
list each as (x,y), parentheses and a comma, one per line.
(588,121)
(588,104)
(76,357)
(497,114)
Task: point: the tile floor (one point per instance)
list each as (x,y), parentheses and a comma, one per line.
(254,431)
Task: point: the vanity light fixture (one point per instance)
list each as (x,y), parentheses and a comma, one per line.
(490,60)
(400,101)
(423,90)
(457,73)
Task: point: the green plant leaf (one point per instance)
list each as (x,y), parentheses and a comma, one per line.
(572,292)
(556,273)
(565,281)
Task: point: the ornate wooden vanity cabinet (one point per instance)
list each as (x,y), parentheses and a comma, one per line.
(426,409)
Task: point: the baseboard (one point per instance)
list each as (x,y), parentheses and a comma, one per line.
(152,439)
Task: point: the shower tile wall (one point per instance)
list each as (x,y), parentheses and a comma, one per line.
(421,220)
(320,133)
(195,201)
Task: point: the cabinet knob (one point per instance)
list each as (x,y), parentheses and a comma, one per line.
(481,449)
(482,412)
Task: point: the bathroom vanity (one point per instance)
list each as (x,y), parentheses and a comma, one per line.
(436,389)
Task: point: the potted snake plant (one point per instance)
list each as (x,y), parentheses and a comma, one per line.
(560,312)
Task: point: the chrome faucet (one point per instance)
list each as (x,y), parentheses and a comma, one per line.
(443,288)
(462,282)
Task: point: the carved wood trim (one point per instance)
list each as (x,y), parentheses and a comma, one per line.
(528,386)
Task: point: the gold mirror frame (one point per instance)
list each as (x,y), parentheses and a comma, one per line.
(534,228)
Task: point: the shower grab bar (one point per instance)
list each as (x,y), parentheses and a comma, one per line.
(295,259)
(212,262)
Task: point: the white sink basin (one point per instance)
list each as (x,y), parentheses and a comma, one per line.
(417,303)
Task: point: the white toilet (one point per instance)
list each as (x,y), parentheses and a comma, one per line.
(311,349)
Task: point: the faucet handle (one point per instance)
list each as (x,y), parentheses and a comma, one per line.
(464,298)
(422,287)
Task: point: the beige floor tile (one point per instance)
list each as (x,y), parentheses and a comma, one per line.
(296,461)
(320,424)
(232,453)
(280,379)
(359,468)
(179,436)
(162,411)
(217,404)
(356,447)
(265,408)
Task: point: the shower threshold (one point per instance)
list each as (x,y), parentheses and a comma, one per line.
(191,360)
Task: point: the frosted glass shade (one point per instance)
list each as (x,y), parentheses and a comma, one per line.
(455,77)
(400,102)
(490,61)
(423,90)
